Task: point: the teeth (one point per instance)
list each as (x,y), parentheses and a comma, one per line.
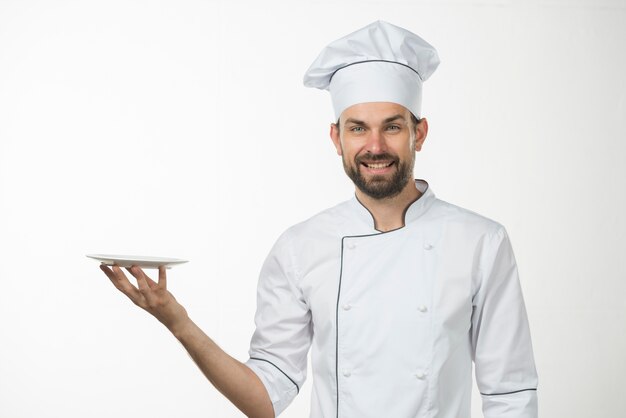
(378,165)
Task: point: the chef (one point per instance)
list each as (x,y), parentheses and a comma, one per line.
(394,291)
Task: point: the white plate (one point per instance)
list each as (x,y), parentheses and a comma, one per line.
(136,260)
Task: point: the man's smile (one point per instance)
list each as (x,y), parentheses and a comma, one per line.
(378,167)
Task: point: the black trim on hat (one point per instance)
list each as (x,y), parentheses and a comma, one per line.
(361,62)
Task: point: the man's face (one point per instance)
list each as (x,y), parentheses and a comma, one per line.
(377,142)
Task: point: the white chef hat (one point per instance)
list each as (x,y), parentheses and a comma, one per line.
(378,63)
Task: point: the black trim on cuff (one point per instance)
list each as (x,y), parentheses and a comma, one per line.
(507,393)
(267,361)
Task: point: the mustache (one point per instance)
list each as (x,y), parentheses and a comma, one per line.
(373,158)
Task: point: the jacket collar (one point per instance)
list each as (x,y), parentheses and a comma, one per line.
(413,212)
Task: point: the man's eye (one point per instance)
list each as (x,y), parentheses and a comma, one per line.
(357,129)
(393,128)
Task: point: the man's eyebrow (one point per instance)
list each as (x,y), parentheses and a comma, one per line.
(354,121)
(388,120)
(395,117)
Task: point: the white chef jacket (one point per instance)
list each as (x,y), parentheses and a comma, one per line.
(395,318)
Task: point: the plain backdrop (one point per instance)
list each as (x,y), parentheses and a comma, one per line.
(182,129)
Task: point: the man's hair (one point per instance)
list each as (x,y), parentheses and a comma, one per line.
(414,120)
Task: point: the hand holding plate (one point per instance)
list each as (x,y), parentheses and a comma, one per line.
(149,295)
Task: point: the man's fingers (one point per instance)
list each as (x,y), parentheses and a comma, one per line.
(107,271)
(142,283)
(139,274)
(120,281)
(162,277)
(150,290)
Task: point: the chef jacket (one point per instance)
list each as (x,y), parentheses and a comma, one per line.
(395,318)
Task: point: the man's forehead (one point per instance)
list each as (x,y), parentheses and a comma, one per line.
(374,112)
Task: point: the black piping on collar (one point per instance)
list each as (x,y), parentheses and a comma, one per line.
(406,209)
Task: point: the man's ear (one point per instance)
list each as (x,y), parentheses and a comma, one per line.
(335,137)
(421,130)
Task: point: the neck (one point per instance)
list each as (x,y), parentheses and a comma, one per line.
(389,213)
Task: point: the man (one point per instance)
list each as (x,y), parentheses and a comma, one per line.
(395,290)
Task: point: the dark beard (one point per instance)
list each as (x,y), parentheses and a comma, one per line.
(378,187)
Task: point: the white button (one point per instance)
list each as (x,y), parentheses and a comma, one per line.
(346,373)
(421,375)
(422,308)
(428,246)
(346,307)
(351,245)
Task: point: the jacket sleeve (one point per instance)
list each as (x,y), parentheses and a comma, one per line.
(502,349)
(280,343)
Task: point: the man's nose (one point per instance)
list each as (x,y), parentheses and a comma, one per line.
(376,142)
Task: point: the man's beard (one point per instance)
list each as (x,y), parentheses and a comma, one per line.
(379,187)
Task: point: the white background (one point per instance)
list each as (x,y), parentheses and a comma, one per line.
(182,129)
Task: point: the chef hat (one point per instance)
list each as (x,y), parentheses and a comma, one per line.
(378,63)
